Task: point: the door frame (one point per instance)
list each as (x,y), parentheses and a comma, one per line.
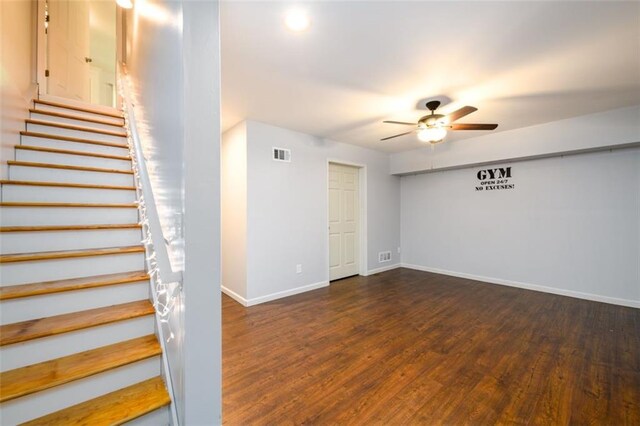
(41,49)
(41,58)
(362,205)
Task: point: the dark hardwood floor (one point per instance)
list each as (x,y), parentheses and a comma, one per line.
(406,347)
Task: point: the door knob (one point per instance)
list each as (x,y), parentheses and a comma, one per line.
(86,59)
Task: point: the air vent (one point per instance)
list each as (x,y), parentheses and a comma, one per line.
(384,256)
(281,154)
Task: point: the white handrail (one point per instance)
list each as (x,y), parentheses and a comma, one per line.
(156,252)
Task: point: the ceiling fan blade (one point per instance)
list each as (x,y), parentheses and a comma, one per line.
(465,110)
(395,136)
(399,122)
(469,126)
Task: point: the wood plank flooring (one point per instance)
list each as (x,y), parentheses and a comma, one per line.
(406,347)
(112,409)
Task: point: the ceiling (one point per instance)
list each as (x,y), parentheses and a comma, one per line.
(361,62)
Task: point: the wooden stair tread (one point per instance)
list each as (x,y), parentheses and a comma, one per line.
(44,375)
(67,254)
(77,108)
(75,117)
(65,185)
(50,326)
(72,139)
(67,167)
(70,152)
(114,408)
(101,205)
(74,127)
(45,228)
(49,287)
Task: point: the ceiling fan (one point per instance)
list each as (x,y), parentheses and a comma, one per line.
(433,128)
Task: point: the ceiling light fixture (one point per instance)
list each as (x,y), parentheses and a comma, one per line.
(433,128)
(125,4)
(297,20)
(433,135)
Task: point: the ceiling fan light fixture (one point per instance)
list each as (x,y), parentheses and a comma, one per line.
(432,128)
(436,120)
(432,135)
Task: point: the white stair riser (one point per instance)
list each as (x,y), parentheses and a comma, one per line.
(54,399)
(74,122)
(68,111)
(31,242)
(28,216)
(52,347)
(159,417)
(71,160)
(72,146)
(62,194)
(28,308)
(59,269)
(46,174)
(53,130)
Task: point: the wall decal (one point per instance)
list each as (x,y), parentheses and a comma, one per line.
(495,179)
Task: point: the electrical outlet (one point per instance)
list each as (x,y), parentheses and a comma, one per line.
(298,269)
(398,250)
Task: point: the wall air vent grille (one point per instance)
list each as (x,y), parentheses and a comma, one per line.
(281,154)
(384,256)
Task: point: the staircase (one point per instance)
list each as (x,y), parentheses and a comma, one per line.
(77,336)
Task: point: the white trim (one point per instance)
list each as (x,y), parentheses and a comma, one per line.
(272,296)
(534,287)
(383,269)
(41,51)
(235,296)
(363,230)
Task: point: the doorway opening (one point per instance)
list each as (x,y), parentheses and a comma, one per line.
(346,220)
(77,53)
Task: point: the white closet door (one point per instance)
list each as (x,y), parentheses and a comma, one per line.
(344,221)
(68,48)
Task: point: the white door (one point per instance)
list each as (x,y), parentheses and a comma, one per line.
(344,221)
(68,49)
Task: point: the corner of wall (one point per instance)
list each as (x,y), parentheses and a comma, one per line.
(234,212)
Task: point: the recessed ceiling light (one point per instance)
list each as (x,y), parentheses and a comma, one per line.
(297,20)
(126,4)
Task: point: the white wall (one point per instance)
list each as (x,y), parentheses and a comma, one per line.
(287,210)
(609,129)
(570,226)
(203,312)
(153,44)
(154,61)
(172,56)
(17,73)
(234,210)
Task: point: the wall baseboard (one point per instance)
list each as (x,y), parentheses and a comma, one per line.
(544,289)
(273,296)
(383,269)
(235,296)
